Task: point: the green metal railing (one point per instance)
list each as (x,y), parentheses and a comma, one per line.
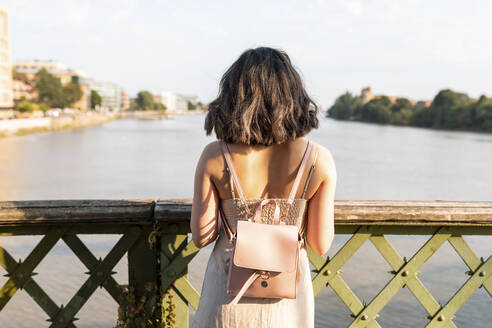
(154,234)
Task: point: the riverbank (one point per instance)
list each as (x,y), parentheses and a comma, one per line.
(158,114)
(25,126)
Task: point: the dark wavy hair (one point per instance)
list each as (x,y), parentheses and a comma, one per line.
(261,101)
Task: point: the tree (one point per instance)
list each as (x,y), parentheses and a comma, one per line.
(50,89)
(484,115)
(377,110)
(159,106)
(422,117)
(145,100)
(344,107)
(442,104)
(202,105)
(24,106)
(191,106)
(400,104)
(72,92)
(96,99)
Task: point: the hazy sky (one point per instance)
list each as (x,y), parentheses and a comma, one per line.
(399,47)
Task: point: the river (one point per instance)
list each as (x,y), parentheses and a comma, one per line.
(156,159)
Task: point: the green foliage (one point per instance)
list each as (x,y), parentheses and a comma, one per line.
(169,314)
(158,106)
(25,106)
(132,310)
(449,109)
(145,100)
(202,105)
(96,99)
(484,115)
(443,104)
(191,106)
(133,105)
(43,107)
(377,110)
(401,104)
(72,93)
(344,107)
(401,117)
(50,89)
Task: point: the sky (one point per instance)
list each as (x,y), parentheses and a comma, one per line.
(398,47)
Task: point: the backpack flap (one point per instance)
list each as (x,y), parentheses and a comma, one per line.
(267,247)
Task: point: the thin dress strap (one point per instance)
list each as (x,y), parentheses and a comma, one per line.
(227,155)
(230,182)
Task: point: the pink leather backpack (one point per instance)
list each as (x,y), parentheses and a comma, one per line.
(265,257)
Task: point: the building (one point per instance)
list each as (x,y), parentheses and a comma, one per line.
(423,103)
(366,95)
(191,101)
(175,102)
(25,72)
(24,90)
(125,101)
(110,93)
(6,90)
(30,68)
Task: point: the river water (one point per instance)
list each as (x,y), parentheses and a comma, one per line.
(156,159)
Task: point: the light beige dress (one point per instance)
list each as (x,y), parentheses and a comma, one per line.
(214,309)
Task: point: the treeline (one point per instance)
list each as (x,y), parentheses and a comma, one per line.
(51,93)
(145,101)
(449,110)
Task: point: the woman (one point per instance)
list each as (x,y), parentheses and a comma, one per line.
(262,114)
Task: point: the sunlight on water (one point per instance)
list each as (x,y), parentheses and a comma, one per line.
(156,159)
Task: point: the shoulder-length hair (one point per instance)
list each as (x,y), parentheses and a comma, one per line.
(262,100)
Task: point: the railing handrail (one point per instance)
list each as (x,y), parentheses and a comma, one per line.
(146,211)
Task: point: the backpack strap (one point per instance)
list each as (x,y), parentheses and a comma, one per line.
(309,174)
(297,180)
(251,279)
(246,285)
(304,221)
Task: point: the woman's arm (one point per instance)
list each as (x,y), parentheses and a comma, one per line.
(205,205)
(320,229)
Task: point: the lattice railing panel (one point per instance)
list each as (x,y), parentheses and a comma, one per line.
(179,252)
(155,237)
(99,271)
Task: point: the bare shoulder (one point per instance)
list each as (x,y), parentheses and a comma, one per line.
(210,158)
(325,163)
(212,149)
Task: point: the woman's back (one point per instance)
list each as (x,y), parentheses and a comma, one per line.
(260,116)
(216,308)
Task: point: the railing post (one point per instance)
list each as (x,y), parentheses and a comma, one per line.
(175,305)
(142,274)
